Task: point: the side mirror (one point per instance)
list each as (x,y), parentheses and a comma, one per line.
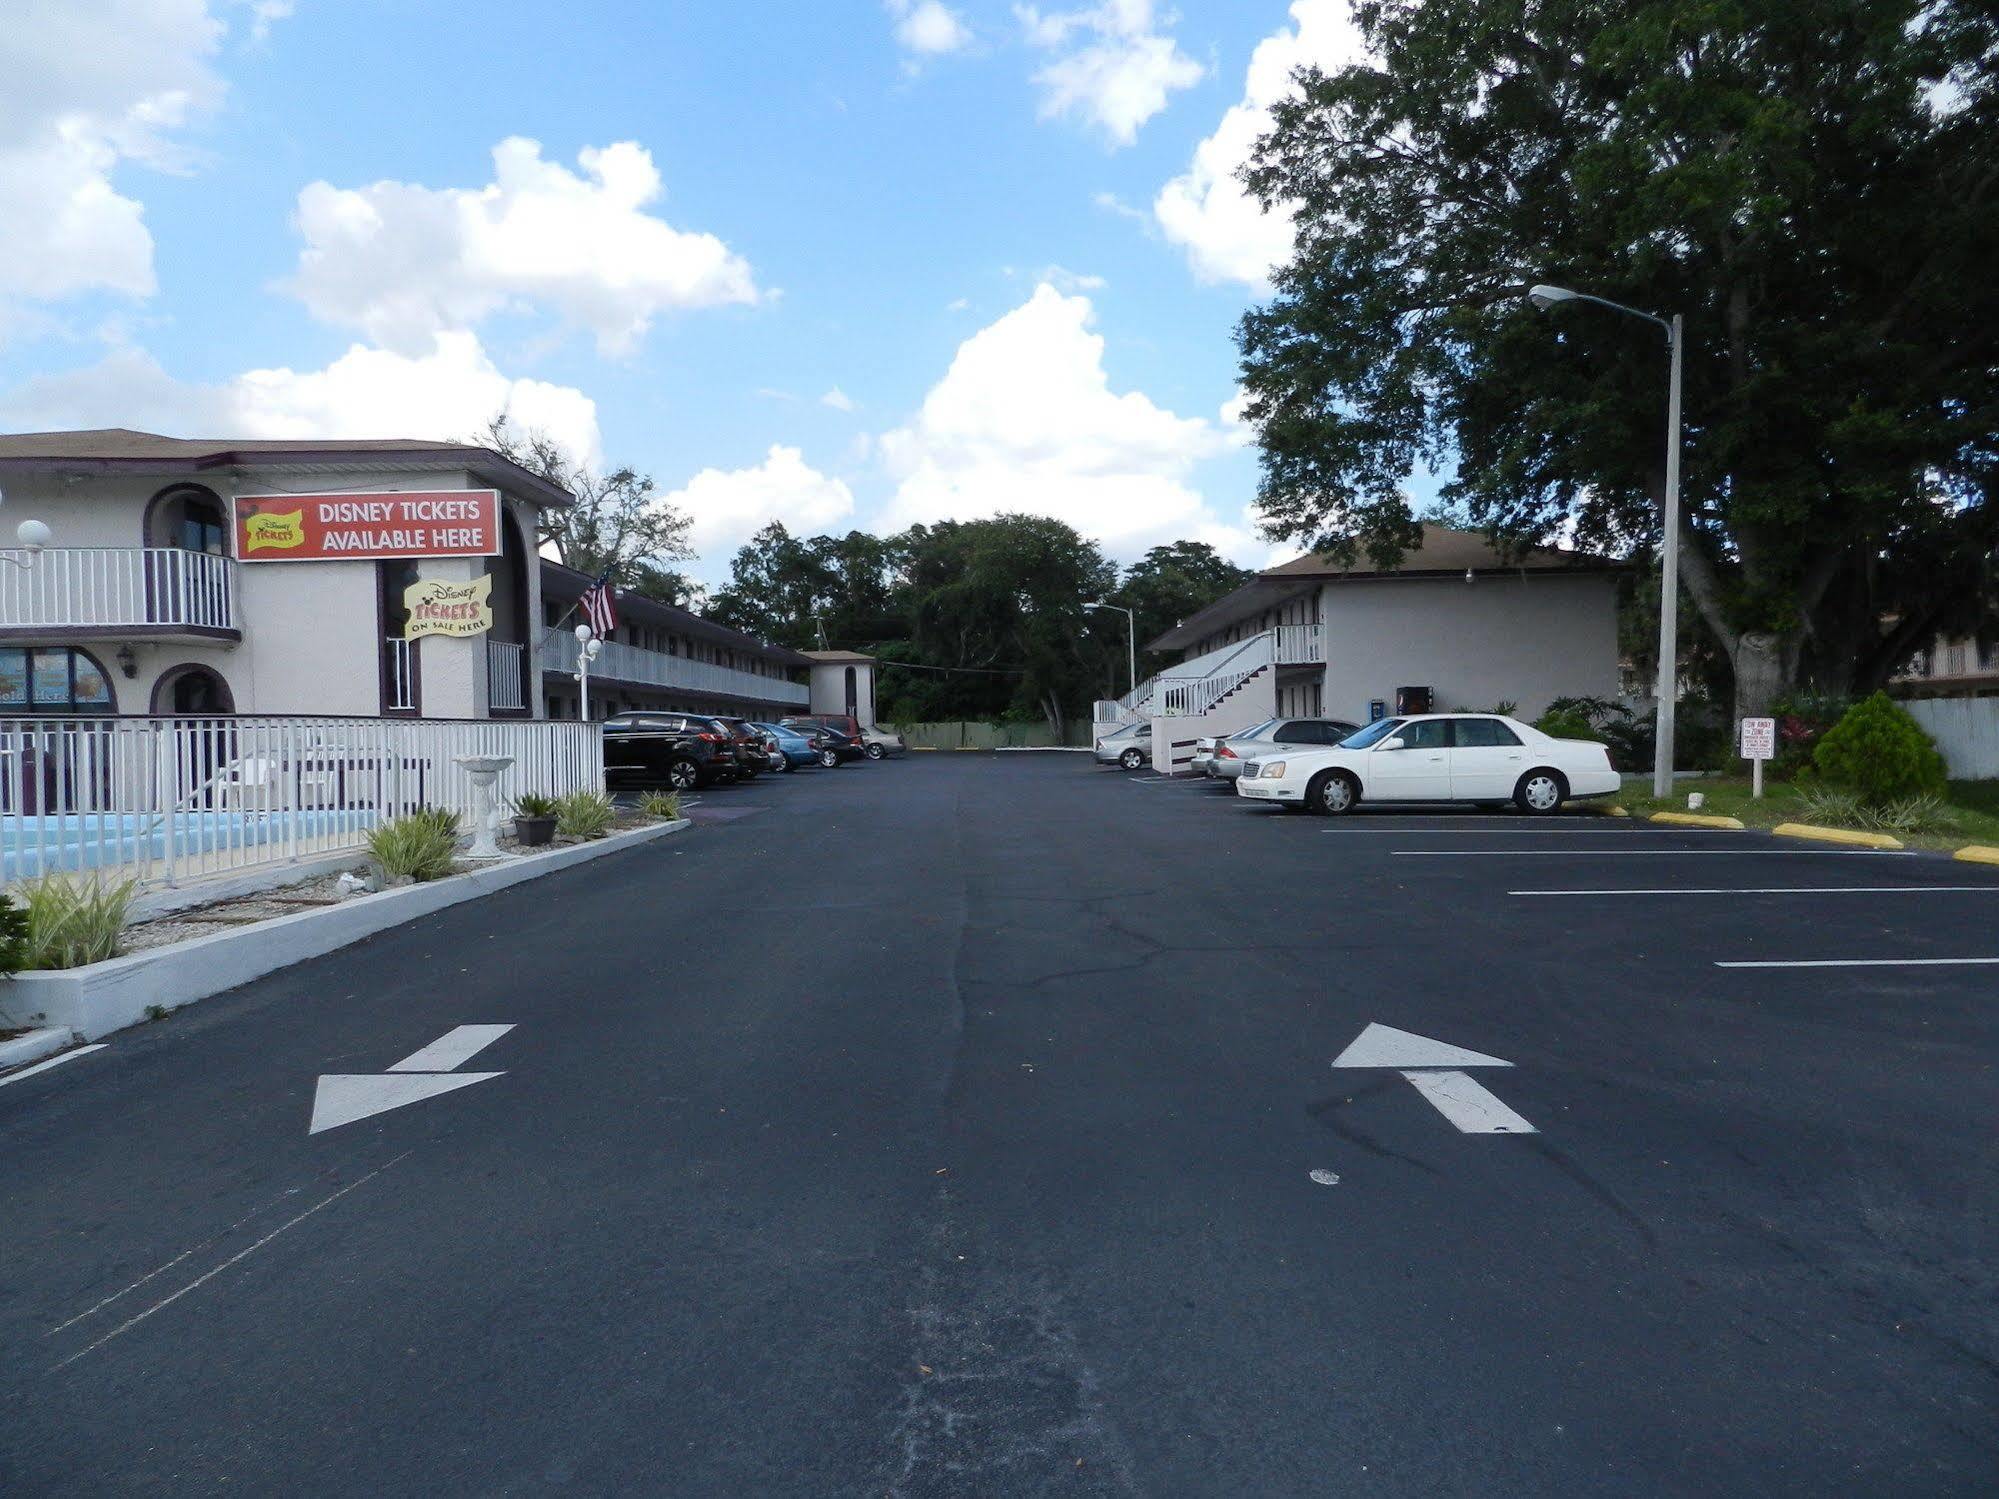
(1394,742)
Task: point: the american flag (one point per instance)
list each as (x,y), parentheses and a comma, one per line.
(596,606)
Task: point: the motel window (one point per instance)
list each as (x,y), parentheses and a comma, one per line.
(50,679)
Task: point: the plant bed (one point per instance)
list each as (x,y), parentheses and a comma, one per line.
(191,955)
(1972,805)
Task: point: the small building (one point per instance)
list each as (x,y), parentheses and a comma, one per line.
(661,656)
(146,601)
(1950,666)
(1454,625)
(844,682)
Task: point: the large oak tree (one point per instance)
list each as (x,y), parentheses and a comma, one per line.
(1814,184)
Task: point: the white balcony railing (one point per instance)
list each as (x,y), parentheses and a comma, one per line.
(628,663)
(503,676)
(168,799)
(1301,645)
(127,587)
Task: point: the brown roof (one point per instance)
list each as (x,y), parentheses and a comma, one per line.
(1443,553)
(565,585)
(835,658)
(110,448)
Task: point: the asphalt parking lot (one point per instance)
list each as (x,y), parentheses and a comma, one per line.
(973,1125)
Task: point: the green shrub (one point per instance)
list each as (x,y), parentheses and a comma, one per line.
(441,818)
(534,804)
(1880,754)
(1568,725)
(13,935)
(663,804)
(419,846)
(1910,814)
(583,814)
(1828,805)
(68,922)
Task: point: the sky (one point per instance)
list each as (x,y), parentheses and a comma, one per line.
(856,263)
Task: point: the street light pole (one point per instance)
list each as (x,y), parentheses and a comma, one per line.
(1130,641)
(587,647)
(1668,686)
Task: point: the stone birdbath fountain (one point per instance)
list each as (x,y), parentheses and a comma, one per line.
(485,772)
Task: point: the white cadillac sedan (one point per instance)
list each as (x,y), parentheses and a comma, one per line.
(1434,757)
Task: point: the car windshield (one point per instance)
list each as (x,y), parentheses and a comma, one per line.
(1373,734)
(1254,731)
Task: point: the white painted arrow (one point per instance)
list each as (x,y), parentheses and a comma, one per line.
(1431,1066)
(343,1097)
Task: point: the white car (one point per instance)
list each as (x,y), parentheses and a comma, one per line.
(1434,757)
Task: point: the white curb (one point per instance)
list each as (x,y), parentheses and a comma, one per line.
(34,1046)
(104,997)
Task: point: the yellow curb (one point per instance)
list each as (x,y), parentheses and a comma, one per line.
(1977,853)
(1697,820)
(1835,835)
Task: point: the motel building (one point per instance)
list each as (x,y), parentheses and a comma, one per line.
(220,655)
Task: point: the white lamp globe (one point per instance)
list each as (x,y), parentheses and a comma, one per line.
(32,534)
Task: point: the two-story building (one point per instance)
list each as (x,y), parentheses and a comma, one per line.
(660,656)
(148,599)
(1454,624)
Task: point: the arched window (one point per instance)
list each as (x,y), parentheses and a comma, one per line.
(189,518)
(853,693)
(53,679)
(198,691)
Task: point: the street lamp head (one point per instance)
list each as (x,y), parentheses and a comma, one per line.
(585,634)
(1093,606)
(1545,297)
(32,534)
(592,647)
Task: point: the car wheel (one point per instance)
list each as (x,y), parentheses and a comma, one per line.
(829,758)
(1131,759)
(1541,792)
(1332,793)
(875,752)
(683,775)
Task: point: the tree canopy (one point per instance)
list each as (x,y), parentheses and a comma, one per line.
(979,619)
(1812,185)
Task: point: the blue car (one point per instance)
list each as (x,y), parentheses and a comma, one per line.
(795,747)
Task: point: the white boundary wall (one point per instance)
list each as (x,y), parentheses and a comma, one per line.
(162,800)
(1966,729)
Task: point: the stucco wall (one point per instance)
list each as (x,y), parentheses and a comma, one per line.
(311,636)
(1503,638)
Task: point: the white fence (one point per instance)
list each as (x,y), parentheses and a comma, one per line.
(628,663)
(163,800)
(130,586)
(1966,729)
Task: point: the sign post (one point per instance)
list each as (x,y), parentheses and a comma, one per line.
(1759,743)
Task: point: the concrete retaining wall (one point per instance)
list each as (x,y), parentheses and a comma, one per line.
(974,735)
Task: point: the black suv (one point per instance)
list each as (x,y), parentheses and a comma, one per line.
(683,750)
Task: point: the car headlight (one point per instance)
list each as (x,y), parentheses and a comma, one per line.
(1272,770)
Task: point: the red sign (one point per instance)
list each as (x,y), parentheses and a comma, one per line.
(364,527)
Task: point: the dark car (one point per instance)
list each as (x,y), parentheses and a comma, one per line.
(673,749)
(754,748)
(835,745)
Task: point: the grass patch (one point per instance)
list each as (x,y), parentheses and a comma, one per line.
(1968,814)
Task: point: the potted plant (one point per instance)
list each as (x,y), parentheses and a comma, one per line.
(534,819)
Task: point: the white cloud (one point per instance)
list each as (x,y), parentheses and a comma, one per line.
(928,27)
(1225,233)
(1114,68)
(728,506)
(264,14)
(449,392)
(404,262)
(839,400)
(1025,420)
(92,84)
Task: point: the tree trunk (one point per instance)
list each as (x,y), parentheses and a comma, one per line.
(1766,667)
(1051,708)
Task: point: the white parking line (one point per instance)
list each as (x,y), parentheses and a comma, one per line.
(68,1056)
(1861,963)
(1645,853)
(1790,890)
